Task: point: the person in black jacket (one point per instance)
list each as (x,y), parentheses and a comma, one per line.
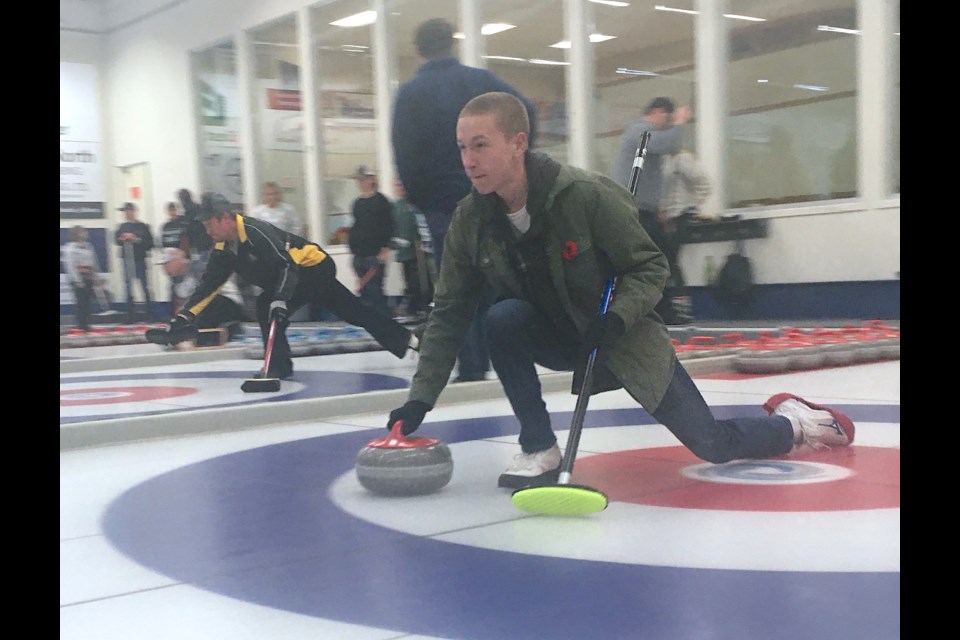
(135,240)
(370,238)
(292,271)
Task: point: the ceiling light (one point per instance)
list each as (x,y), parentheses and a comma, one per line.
(762,81)
(507,58)
(357,20)
(553,62)
(635,72)
(732,16)
(495,27)
(661,7)
(811,87)
(826,27)
(611,3)
(594,37)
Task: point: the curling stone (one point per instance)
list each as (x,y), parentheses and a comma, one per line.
(400,466)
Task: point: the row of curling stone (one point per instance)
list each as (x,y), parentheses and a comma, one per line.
(799,350)
(316,342)
(105,336)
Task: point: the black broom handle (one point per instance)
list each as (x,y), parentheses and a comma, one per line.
(580,411)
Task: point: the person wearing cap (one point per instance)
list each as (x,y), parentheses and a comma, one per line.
(664,120)
(370,238)
(134,238)
(291,270)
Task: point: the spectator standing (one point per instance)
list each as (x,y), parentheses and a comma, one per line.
(664,120)
(414,251)
(370,238)
(198,242)
(277,212)
(82,267)
(173,235)
(686,188)
(135,240)
(426,153)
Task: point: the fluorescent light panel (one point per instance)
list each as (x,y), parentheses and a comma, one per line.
(495,27)
(826,27)
(357,20)
(611,3)
(692,12)
(635,72)
(594,37)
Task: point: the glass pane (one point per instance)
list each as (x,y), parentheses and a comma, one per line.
(218,108)
(522,56)
(896,101)
(344,69)
(792,130)
(651,54)
(278,123)
(405,17)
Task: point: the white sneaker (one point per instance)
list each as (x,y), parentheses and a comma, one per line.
(532,469)
(814,425)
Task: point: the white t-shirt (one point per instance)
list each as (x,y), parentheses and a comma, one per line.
(283,216)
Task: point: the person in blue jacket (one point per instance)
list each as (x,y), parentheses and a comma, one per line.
(425,149)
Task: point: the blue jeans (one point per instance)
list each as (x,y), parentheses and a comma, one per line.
(519,337)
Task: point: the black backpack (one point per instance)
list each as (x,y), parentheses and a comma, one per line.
(734,283)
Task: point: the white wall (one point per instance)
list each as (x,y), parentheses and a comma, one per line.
(149,118)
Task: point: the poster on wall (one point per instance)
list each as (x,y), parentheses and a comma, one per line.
(221,166)
(81,171)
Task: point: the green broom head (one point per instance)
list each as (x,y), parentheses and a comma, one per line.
(560,500)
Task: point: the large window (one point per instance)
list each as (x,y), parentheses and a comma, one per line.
(792,130)
(218,108)
(523,55)
(277,113)
(344,76)
(895,43)
(641,51)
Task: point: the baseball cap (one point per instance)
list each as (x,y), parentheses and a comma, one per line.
(213,204)
(364,171)
(170,253)
(127,206)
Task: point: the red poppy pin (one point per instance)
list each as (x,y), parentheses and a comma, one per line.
(569,251)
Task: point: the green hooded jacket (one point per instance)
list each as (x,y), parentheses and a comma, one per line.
(592,229)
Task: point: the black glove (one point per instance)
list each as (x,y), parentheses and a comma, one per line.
(181,328)
(278,312)
(412,415)
(603,332)
(183,321)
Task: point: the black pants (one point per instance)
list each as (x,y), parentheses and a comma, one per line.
(84,297)
(319,285)
(418,297)
(668,244)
